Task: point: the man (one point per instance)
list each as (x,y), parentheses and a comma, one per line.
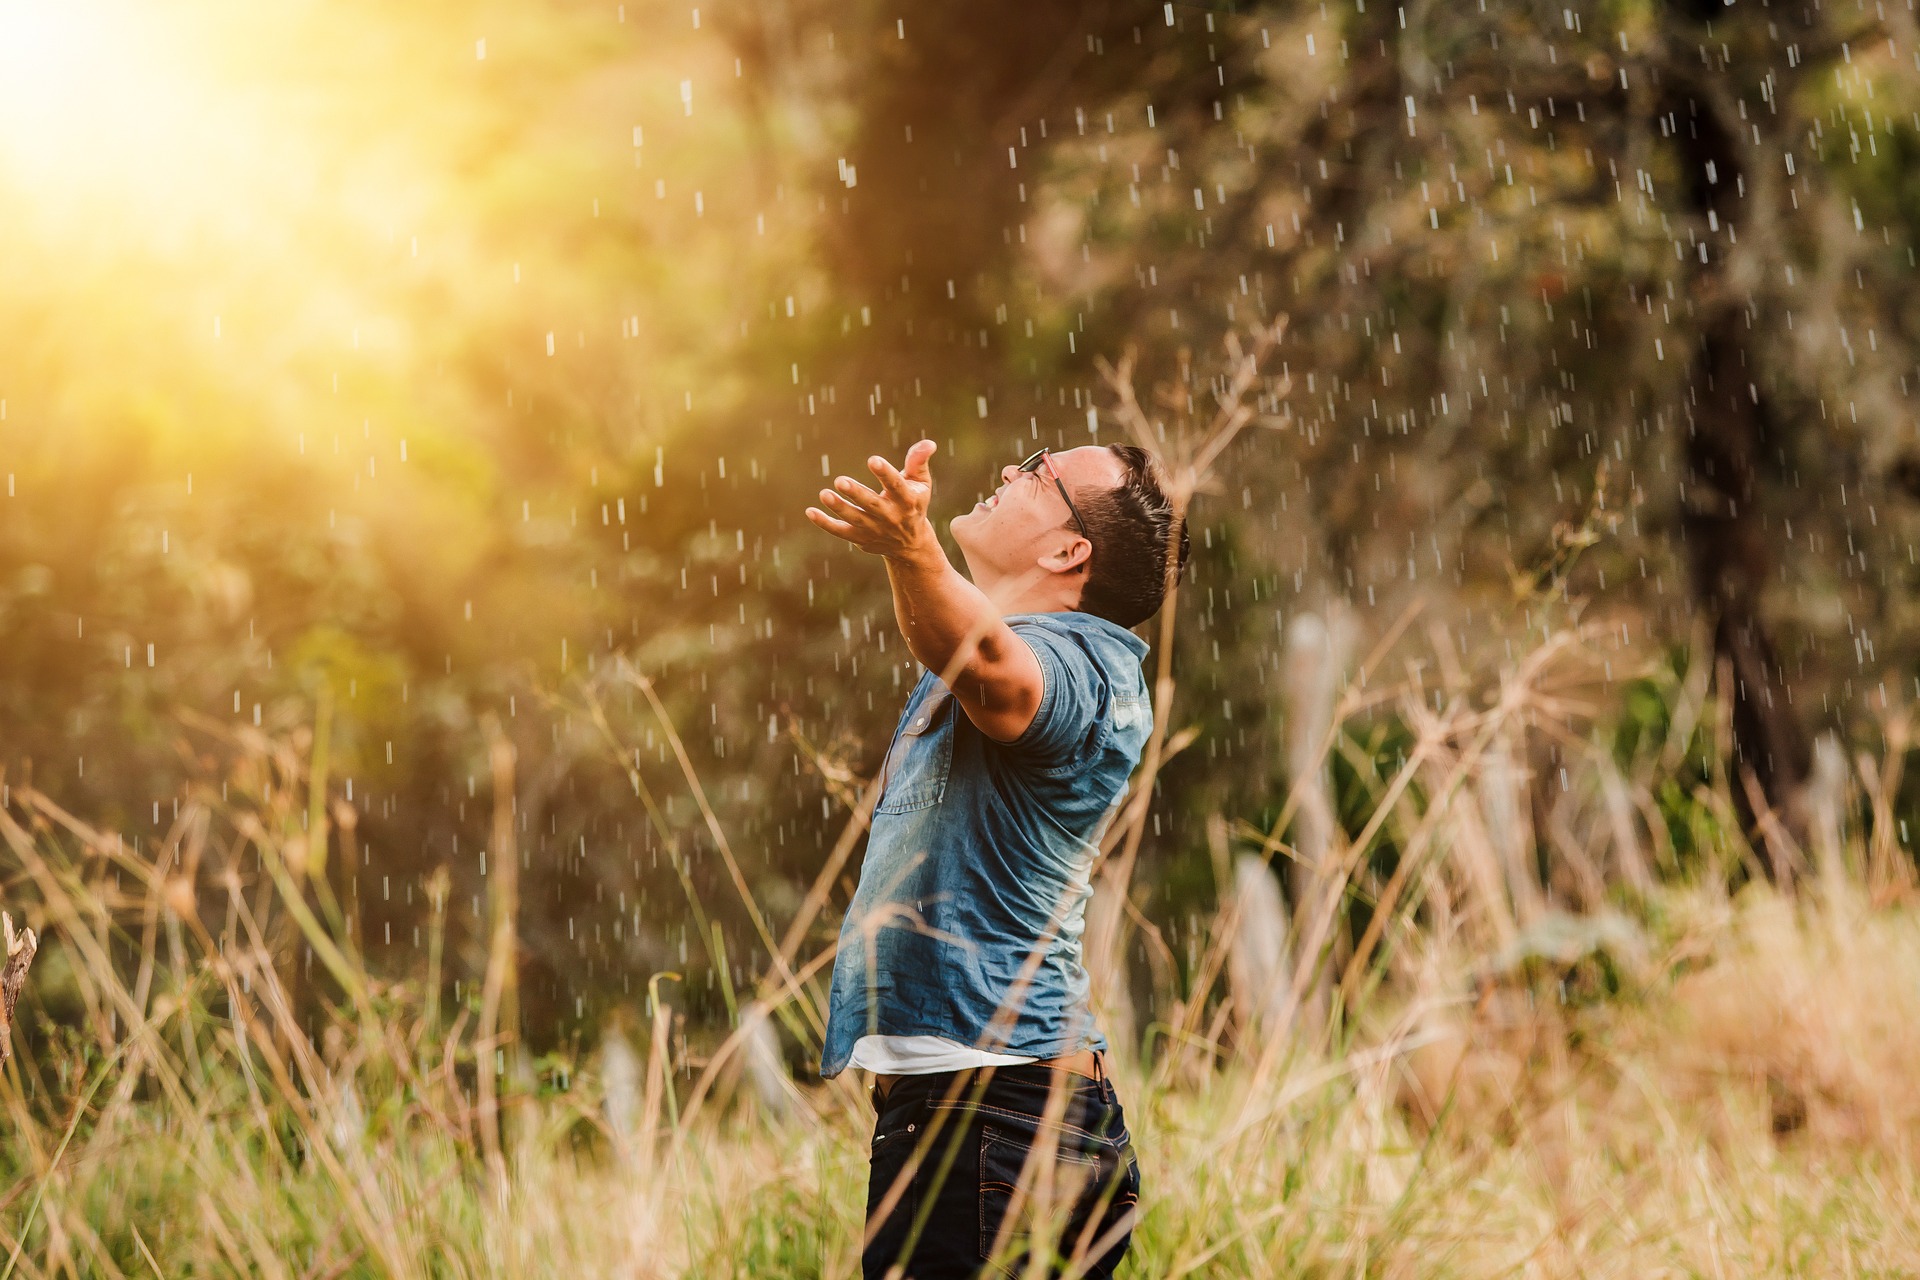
(959,980)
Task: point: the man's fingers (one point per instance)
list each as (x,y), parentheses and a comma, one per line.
(841,505)
(894,482)
(916,468)
(917,471)
(838,528)
(857,492)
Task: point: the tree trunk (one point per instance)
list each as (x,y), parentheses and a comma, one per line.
(1729,554)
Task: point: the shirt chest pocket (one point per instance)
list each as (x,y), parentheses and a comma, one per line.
(920,758)
(1133,714)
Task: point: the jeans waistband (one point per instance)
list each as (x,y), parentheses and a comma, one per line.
(1020,1081)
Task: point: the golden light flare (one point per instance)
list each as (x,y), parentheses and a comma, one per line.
(251,202)
(150,130)
(189,179)
(91,93)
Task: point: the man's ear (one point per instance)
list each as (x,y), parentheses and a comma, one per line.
(1069,557)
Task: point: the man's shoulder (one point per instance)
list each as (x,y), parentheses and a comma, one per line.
(1093,654)
(1109,644)
(1096,710)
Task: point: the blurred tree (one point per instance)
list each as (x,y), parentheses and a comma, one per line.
(1722,508)
(1533,249)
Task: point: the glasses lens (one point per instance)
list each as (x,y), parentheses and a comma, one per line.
(1032,461)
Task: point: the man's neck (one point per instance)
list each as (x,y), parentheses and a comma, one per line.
(1051,594)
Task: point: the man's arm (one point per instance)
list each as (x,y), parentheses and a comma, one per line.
(949,624)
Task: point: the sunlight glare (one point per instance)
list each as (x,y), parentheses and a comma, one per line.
(68,71)
(102,113)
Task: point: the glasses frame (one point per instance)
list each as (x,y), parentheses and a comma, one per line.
(1032,463)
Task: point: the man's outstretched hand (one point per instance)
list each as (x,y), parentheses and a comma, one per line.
(891,521)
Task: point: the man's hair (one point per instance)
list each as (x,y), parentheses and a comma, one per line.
(1131,528)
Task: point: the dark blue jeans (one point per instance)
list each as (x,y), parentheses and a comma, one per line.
(969,1175)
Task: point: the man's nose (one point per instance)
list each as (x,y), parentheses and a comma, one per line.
(1009,473)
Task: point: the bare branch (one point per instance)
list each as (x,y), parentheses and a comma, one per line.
(20,949)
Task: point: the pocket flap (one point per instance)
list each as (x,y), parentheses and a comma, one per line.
(929,713)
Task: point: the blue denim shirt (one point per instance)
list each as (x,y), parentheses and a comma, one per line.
(972,899)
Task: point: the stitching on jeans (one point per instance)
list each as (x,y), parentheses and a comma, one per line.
(980,1243)
(983,1242)
(985,1108)
(1087,1158)
(1015,1145)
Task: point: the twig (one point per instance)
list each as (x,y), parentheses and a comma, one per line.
(20,949)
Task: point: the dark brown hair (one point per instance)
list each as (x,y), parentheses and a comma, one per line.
(1131,528)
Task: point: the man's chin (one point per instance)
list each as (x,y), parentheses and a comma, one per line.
(965,529)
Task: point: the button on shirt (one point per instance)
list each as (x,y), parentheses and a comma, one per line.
(967,921)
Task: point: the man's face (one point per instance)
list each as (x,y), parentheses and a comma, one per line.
(1025,522)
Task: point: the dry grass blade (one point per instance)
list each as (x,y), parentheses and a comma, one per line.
(499,1007)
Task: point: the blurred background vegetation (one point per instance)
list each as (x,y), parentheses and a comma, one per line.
(368,372)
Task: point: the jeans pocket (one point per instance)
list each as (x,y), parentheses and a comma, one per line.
(1021,1198)
(890,1179)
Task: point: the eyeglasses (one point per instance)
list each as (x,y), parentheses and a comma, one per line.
(1033,463)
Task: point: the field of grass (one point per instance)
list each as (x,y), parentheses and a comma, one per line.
(1544,1004)
(1742,1105)
(1670,1078)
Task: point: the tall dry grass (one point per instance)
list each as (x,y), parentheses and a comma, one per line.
(1694,1083)
(1530,1008)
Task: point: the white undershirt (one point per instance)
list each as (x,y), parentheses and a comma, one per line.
(924,1055)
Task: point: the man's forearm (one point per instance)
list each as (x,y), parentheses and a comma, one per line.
(950,625)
